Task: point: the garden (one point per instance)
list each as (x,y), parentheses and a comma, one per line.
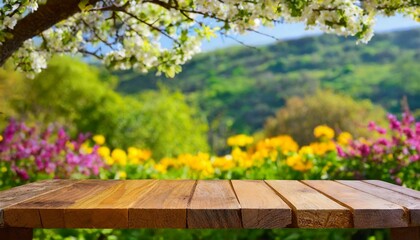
(320,107)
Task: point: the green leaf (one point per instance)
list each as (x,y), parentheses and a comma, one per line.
(84,5)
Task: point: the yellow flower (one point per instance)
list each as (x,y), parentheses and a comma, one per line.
(283,142)
(104,151)
(306,150)
(99,139)
(109,160)
(3,169)
(323,131)
(297,163)
(320,148)
(133,152)
(1,138)
(161,168)
(119,156)
(170,162)
(122,175)
(135,155)
(344,138)
(144,154)
(224,163)
(240,140)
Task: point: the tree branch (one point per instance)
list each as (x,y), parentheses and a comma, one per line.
(47,15)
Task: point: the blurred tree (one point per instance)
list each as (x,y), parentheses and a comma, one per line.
(80,96)
(168,125)
(301,115)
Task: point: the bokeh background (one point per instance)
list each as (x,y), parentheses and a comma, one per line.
(309,106)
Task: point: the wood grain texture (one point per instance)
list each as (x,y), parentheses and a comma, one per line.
(311,209)
(261,207)
(164,206)
(47,210)
(395,188)
(410,233)
(107,208)
(408,202)
(23,193)
(16,233)
(368,211)
(214,205)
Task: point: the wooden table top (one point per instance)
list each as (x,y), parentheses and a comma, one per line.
(209,204)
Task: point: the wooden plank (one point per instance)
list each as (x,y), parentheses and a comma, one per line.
(107,208)
(164,206)
(395,188)
(368,211)
(410,203)
(409,233)
(311,209)
(47,210)
(261,207)
(16,233)
(22,193)
(214,205)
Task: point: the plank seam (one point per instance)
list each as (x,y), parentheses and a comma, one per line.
(237,199)
(335,200)
(373,184)
(40,218)
(406,210)
(291,206)
(189,202)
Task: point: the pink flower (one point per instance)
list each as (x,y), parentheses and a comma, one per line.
(364,150)
(408,132)
(340,151)
(407,118)
(21,173)
(414,158)
(372,126)
(381,130)
(383,141)
(394,124)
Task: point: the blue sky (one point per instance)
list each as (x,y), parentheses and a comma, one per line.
(297,30)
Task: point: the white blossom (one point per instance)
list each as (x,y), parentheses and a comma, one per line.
(132,38)
(10,22)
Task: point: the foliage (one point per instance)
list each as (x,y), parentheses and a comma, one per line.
(70,92)
(29,154)
(8,80)
(300,115)
(168,125)
(238,88)
(81,97)
(127,34)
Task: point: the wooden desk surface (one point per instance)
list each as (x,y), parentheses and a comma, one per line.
(209,204)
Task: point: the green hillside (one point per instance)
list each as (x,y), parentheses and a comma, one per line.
(242,86)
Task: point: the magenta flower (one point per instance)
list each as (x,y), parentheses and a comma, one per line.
(394,124)
(30,151)
(399,152)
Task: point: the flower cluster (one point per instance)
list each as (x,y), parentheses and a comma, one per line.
(132,31)
(395,154)
(280,152)
(29,152)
